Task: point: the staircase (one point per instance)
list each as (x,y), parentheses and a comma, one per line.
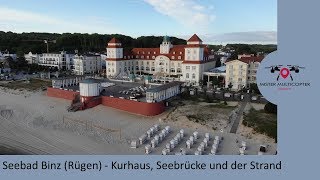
(75,104)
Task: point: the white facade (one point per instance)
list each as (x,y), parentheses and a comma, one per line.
(185,62)
(89,89)
(241,73)
(163,92)
(62,60)
(87,64)
(236,74)
(32,58)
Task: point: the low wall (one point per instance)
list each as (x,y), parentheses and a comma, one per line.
(60,93)
(141,108)
(92,102)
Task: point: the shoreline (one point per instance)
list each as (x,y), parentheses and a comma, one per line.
(41,117)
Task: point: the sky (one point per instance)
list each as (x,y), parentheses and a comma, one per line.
(215,21)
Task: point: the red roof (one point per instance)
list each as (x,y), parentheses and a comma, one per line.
(195,38)
(114,40)
(177,52)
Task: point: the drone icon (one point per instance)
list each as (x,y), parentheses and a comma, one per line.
(284,72)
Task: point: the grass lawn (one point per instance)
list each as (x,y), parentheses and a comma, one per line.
(262,122)
(33,84)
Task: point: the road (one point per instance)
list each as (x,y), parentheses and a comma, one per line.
(237,119)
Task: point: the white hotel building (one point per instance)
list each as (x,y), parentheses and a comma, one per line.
(186,62)
(87,64)
(242,72)
(61,61)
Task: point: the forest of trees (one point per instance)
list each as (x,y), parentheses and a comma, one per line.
(21,43)
(251,49)
(33,42)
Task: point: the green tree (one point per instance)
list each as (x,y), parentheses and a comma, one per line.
(254,88)
(230,85)
(215,81)
(270,108)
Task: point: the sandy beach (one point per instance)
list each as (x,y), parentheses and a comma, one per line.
(37,124)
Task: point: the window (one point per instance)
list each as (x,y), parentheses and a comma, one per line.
(154,52)
(180,52)
(148,52)
(142,56)
(193,68)
(153,69)
(193,76)
(153,57)
(187,75)
(137,56)
(188,68)
(147,57)
(179,57)
(174,52)
(172,57)
(173,70)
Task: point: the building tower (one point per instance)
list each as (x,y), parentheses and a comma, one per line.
(114,57)
(166,45)
(114,50)
(194,56)
(194,50)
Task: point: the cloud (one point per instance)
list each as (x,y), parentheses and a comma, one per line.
(253,37)
(187,12)
(25,21)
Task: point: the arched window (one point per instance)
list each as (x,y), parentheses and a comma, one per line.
(187,75)
(193,76)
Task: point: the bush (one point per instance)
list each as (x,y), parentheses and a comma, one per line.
(270,108)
